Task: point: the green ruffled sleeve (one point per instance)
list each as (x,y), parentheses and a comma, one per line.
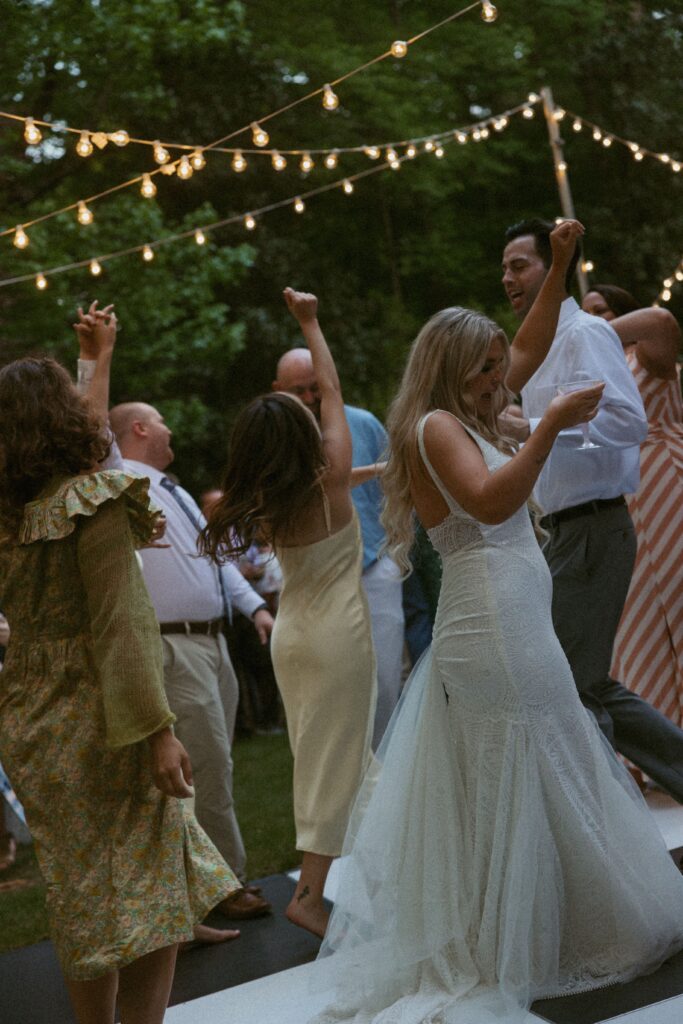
(112,513)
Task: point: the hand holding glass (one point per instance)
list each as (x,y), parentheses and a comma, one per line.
(580,385)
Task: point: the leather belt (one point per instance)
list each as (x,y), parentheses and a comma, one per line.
(588,508)
(211,628)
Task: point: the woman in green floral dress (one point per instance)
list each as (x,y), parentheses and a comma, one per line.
(85,728)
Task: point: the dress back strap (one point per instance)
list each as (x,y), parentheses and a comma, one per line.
(326,511)
(430,469)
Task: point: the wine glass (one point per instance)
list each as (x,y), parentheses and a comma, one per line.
(582,382)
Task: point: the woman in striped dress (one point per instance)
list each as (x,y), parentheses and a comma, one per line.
(648,652)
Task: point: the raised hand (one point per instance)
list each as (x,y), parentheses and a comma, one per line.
(563,239)
(89,348)
(301,305)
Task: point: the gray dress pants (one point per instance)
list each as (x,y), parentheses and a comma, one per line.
(591,560)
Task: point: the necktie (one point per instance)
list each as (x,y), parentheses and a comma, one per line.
(172,489)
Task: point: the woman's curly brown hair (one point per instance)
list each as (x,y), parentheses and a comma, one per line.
(46,430)
(276,462)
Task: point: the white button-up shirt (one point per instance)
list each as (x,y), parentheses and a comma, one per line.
(184,587)
(585,344)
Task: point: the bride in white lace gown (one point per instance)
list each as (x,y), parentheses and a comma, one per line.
(501,853)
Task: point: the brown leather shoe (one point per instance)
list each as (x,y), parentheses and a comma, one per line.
(242,905)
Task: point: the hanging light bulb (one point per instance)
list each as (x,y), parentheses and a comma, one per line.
(461,137)
(439,152)
(666,295)
(147,253)
(21,239)
(665,158)
(347,186)
(501,123)
(95,268)
(411,151)
(259,135)
(577,125)
(489,12)
(562,166)
(161,155)
(85,215)
(675,166)
(41,282)
(331,160)
(184,170)
(32,133)
(330,98)
(372,151)
(429,146)
(399,48)
(533,97)
(476,135)
(278,161)
(597,134)
(392,159)
(669,282)
(84,145)
(485,132)
(120,138)
(299,205)
(198,160)
(528,112)
(199,237)
(306,164)
(587,266)
(148,189)
(249,222)
(679,275)
(238,162)
(607,141)
(558,114)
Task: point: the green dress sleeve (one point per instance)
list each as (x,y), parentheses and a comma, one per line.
(124,629)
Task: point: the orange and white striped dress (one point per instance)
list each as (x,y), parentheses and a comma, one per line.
(648,652)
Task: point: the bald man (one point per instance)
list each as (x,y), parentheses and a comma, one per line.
(191,596)
(381,578)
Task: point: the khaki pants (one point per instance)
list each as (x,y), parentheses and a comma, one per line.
(202,691)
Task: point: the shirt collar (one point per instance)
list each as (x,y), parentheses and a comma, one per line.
(155,475)
(568,308)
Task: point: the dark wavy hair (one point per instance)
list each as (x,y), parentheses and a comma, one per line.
(276,462)
(46,430)
(618,299)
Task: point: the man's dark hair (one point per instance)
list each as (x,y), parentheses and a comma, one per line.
(540,229)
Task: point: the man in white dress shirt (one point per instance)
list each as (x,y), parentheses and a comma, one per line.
(191,597)
(592,545)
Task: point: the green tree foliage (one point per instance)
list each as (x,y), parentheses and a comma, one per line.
(203,326)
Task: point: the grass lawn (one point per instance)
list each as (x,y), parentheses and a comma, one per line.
(263,795)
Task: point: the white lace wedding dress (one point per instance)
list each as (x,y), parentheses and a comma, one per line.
(500,853)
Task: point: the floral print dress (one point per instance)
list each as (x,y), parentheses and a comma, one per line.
(127,869)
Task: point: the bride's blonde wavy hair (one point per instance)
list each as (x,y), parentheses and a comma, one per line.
(447,354)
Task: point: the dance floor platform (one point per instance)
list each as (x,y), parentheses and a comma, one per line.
(260,978)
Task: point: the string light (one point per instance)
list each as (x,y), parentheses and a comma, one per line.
(198,160)
(331,160)
(429,145)
(439,152)
(120,138)
(161,154)
(597,134)
(562,166)
(259,135)
(95,268)
(199,237)
(307,163)
(148,189)
(638,155)
(485,132)
(85,214)
(399,48)
(587,266)
(411,151)
(392,159)
(461,138)
(238,163)
(665,158)
(299,205)
(167,169)
(638,152)
(184,169)
(577,125)
(533,97)
(347,186)
(84,145)
(249,222)
(147,253)
(330,98)
(666,294)
(41,282)
(278,161)
(489,12)
(32,133)
(373,152)
(558,114)
(528,112)
(21,239)
(606,141)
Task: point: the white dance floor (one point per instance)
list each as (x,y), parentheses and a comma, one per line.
(276,999)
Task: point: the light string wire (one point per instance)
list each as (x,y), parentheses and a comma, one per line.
(606,138)
(247,219)
(676,276)
(248,127)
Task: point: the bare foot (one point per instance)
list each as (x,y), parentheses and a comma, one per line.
(206,936)
(313,916)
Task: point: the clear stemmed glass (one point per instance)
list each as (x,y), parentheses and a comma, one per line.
(580,384)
